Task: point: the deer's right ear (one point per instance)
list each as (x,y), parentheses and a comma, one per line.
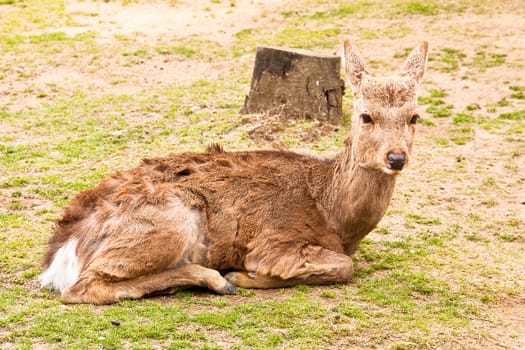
(354,64)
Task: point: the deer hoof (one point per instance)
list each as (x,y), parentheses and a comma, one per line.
(229,289)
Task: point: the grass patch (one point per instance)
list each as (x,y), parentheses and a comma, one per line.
(438,112)
(426,122)
(461,136)
(437,108)
(434,97)
(447,60)
(517,115)
(425,8)
(308,38)
(518,92)
(253,323)
(483,60)
(462,118)
(192,48)
(418,219)
(359,8)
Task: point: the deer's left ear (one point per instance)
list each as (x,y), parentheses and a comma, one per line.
(415,64)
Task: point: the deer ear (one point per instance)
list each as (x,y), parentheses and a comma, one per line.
(414,66)
(354,64)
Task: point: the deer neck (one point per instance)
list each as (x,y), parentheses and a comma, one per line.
(355,199)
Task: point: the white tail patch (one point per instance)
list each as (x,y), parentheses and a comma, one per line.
(64,268)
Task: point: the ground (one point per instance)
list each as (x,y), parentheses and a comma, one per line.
(90,87)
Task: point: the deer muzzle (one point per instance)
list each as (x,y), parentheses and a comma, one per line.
(396,160)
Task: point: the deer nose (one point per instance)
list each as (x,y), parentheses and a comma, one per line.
(396,160)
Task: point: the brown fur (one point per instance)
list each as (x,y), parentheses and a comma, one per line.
(271,218)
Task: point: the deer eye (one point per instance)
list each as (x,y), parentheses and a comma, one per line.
(366,118)
(414,119)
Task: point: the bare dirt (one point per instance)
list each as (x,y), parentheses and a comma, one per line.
(143,23)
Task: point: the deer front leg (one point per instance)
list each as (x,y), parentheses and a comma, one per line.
(312,265)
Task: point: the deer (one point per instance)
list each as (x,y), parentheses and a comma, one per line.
(246,219)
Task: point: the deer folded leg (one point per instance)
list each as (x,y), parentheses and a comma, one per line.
(315,265)
(102,289)
(252,280)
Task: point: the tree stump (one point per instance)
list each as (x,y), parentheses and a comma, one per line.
(297,84)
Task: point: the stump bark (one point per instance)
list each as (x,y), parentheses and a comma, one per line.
(296,84)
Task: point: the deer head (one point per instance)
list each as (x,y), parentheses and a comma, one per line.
(385,110)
